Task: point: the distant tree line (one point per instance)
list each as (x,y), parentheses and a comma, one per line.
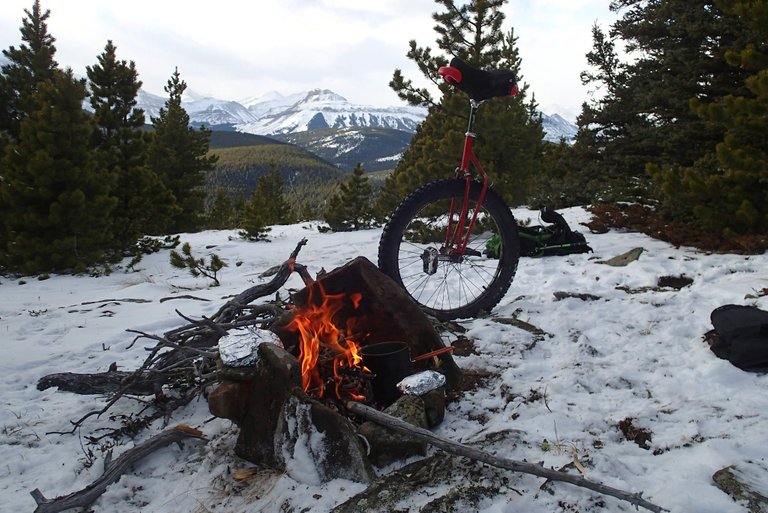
(78,189)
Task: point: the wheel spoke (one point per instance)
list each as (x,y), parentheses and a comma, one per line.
(412,251)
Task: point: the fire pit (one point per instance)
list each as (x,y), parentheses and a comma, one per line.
(341,317)
(291,399)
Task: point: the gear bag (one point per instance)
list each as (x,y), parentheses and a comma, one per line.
(740,336)
(556,238)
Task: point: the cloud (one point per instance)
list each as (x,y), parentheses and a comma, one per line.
(233,49)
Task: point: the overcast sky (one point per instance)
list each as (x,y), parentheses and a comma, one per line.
(233,49)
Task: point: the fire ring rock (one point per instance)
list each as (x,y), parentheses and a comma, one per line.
(388,446)
(281,427)
(314,444)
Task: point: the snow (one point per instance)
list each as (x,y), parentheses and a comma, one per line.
(634,353)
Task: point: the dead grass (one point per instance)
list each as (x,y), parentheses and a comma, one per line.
(645,220)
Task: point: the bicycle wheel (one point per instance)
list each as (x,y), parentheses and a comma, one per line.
(412,251)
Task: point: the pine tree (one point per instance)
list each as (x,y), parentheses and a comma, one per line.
(145,205)
(221,213)
(267,205)
(726,190)
(676,51)
(510,133)
(28,66)
(31,64)
(350,208)
(179,155)
(58,197)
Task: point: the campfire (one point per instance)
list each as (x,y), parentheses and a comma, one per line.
(329,349)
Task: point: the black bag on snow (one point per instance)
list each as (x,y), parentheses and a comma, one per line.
(740,336)
(555,239)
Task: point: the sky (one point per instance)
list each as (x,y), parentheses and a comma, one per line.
(233,49)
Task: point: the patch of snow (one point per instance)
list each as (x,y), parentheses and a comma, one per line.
(636,356)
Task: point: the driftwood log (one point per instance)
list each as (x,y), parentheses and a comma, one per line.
(113,470)
(460,449)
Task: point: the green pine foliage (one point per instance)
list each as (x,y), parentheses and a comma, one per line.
(31,64)
(58,197)
(179,155)
(509,130)
(726,190)
(350,208)
(145,205)
(198,266)
(267,206)
(221,214)
(642,119)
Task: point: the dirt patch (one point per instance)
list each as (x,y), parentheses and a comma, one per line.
(640,436)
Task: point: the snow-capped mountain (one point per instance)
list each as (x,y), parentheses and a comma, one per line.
(276,114)
(321,108)
(150,103)
(556,128)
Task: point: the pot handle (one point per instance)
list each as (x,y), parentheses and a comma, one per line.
(433,353)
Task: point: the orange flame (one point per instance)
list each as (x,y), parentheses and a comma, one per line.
(317,328)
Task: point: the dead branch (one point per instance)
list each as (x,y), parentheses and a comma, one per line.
(185,296)
(112,471)
(460,449)
(100,383)
(190,348)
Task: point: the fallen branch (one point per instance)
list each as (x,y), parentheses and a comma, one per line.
(189,350)
(112,471)
(101,383)
(476,454)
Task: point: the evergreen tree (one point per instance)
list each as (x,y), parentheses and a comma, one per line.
(144,205)
(179,155)
(31,64)
(267,205)
(676,51)
(510,132)
(221,213)
(726,190)
(58,198)
(28,66)
(350,208)
(308,212)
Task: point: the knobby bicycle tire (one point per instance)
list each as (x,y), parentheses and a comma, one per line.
(449,289)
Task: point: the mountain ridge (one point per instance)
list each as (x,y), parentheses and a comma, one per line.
(276,114)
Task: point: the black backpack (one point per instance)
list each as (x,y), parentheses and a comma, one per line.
(740,336)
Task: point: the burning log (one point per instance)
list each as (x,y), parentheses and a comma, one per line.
(365,306)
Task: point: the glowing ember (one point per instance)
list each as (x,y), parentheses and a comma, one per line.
(321,339)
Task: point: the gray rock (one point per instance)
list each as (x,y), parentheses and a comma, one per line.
(388,446)
(624,259)
(741,482)
(314,444)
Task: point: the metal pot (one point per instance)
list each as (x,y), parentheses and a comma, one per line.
(390,362)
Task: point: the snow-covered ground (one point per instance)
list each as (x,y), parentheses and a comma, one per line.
(631,354)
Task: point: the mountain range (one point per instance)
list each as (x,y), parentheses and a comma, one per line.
(274,114)
(324,123)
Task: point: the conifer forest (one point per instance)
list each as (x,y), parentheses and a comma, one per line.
(672,141)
